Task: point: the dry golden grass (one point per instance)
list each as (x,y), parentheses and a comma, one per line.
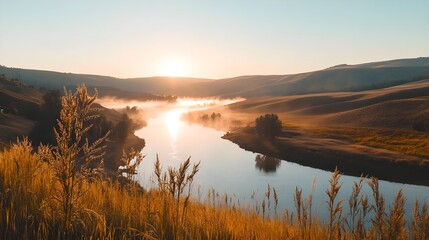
(114,211)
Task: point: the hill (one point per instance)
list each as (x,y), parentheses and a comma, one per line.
(383,132)
(19,105)
(394,107)
(21,108)
(339,78)
(135,87)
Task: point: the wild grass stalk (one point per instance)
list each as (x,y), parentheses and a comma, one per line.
(276,202)
(173,183)
(334,207)
(378,221)
(420,221)
(352,221)
(396,222)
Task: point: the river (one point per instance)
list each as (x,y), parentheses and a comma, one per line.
(239,173)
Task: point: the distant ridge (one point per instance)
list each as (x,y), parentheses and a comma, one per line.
(338,78)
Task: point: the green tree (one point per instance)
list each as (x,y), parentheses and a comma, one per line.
(268,126)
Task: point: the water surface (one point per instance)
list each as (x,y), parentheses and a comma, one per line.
(240,173)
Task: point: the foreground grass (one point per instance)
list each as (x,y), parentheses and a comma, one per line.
(109,210)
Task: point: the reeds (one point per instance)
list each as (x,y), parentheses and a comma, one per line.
(420,221)
(172,185)
(358,209)
(335,207)
(379,219)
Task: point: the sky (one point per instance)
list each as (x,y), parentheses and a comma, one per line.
(209,39)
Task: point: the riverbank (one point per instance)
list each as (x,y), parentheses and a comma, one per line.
(296,145)
(115,149)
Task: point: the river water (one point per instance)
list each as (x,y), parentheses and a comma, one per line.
(241,174)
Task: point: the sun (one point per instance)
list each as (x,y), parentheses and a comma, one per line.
(173,68)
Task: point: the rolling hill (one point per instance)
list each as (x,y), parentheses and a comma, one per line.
(400,106)
(339,78)
(110,85)
(382,132)
(19,105)
(21,110)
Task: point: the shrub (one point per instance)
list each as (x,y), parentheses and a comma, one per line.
(268,126)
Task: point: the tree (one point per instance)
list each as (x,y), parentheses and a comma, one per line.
(100,127)
(215,116)
(47,119)
(74,161)
(268,126)
(122,128)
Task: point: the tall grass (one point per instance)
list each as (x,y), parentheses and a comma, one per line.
(112,211)
(334,207)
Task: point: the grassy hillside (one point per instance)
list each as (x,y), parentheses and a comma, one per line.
(19,104)
(21,107)
(336,79)
(395,107)
(57,80)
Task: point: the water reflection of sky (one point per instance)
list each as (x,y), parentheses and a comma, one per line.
(229,169)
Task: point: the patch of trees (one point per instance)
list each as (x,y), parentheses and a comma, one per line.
(168,98)
(214,116)
(122,128)
(132,110)
(100,127)
(50,112)
(47,119)
(268,126)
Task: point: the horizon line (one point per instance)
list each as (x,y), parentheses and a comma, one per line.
(205,78)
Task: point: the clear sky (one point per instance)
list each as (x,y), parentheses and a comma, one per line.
(213,39)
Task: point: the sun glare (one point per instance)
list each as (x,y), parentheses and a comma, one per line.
(173,68)
(172,119)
